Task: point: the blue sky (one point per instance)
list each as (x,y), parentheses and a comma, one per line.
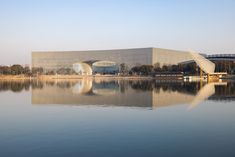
(207,26)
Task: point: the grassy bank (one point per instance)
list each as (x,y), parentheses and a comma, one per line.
(50,77)
(103,77)
(14,77)
(46,77)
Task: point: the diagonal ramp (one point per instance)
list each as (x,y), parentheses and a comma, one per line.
(206,65)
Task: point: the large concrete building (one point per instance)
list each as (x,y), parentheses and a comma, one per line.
(131,57)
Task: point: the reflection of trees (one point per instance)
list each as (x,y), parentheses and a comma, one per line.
(221,91)
(37,84)
(178,86)
(106,85)
(165,86)
(15,86)
(143,85)
(123,86)
(64,84)
(224,92)
(50,83)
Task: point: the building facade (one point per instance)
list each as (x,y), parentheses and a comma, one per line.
(131,57)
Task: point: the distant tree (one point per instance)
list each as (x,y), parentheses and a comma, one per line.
(37,70)
(65,71)
(169,68)
(189,68)
(17,69)
(124,68)
(50,72)
(175,68)
(146,69)
(165,68)
(157,67)
(5,70)
(135,69)
(143,69)
(27,71)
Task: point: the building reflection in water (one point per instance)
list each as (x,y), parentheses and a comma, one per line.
(131,93)
(205,92)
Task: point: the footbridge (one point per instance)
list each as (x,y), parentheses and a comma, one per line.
(206,66)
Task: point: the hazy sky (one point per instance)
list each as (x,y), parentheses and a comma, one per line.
(207,26)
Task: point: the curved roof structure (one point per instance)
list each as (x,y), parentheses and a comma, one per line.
(82,68)
(104,64)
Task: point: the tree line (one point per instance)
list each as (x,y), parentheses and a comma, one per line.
(15,70)
(156,68)
(123,70)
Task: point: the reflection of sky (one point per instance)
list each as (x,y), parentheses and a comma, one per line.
(64,130)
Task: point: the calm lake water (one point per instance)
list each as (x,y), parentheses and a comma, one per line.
(116,118)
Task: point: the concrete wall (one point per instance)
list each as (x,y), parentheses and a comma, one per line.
(132,57)
(169,57)
(56,60)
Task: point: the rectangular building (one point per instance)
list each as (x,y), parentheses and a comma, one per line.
(132,57)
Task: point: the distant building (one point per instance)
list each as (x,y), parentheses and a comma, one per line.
(108,61)
(52,61)
(223,62)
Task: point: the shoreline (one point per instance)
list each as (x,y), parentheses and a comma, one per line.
(15,77)
(78,77)
(103,77)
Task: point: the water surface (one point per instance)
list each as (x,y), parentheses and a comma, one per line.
(116,118)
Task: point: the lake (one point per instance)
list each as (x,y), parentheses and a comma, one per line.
(94,117)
